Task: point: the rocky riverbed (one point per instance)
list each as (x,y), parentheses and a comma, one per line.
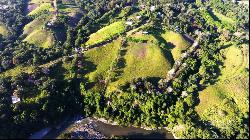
(83,130)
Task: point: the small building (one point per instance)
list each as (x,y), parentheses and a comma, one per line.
(170,89)
(184,55)
(15,99)
(184,94)
(171,72)
(138,17)
(196,43)
(152,8)
(130,23)
(145,32)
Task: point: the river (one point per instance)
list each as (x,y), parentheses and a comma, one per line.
(105,129)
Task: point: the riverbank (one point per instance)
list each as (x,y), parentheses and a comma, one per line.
(100,128)
(113,123)
(83,131)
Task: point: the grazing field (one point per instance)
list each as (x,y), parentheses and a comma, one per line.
(3,30)
(42,8)
(38,23)
(41,38)
(230,95)
(142,60)
(106,33)
(178,42)
(36,33)
(100,59)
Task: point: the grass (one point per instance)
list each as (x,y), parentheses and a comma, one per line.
(224,18)
(37,23)
(35,34)
(106,33)
(16,71)
(142,60)
(3,30)
(39,10)
(180,44)
(230,94)
(101,59)
(41,38)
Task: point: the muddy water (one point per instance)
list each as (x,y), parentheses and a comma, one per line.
(131,132)
(109,130)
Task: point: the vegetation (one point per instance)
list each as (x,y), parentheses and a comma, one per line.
(142,63)
(106,33)
(3,30)
(46,7)
(180,44)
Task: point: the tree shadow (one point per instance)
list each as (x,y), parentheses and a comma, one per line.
(168,55)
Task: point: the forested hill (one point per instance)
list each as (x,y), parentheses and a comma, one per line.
(177,64)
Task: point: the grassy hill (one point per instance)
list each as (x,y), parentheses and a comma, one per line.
(230,95)
(40,9)
(180,44)
(35,31)
(100,59)
(106,33)
(42,38)
(3,30)
(142,60)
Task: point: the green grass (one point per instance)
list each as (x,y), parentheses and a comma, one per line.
(230,94)
(41,38)
(106,33)
(37,23)
(142,60)
(3,30)
(224,18)
(35,34)
(101,58)
(180,44)
(39,10)
(16,71)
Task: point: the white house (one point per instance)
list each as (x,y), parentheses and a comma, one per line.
(129,23)
(15,99)
(138,17)
(152,8)
(184,94)
(195,44)
(171,72)
(169,89)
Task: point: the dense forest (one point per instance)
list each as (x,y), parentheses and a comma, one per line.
(88,49)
